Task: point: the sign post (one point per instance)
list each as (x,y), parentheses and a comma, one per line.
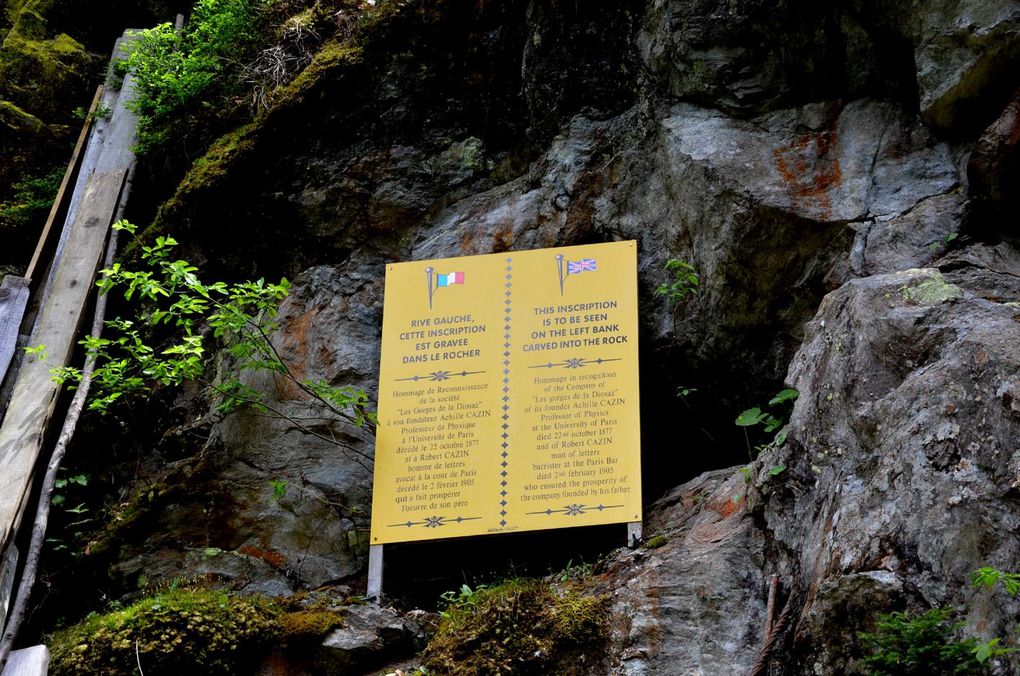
(508,396)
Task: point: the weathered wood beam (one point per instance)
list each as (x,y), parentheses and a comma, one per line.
(13,301)
(35,393)
(34,661)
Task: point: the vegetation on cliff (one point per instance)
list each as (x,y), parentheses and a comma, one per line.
(520,626)
(189,631)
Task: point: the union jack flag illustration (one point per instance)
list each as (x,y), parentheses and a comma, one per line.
(583,265)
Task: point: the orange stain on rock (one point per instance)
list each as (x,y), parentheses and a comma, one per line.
(810,170)
(294,349)
(274,559)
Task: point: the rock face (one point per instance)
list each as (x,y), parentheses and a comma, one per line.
(798,159)
(902,462)
(695,603)
(960,49)
(43,76)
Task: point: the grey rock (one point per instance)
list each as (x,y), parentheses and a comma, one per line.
(845,606)
(989,271)
(965,52)
(370,636)
(993,170)
(745,57)
(695,605)
(282,506)
(901,454)
(766,210)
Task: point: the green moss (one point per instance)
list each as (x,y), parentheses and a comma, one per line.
(520,627)
(174,633)
(215,164)
(18,120)
(308,625)
(43,76)
(31,202)
(332,55)
(189,631)
(656,542)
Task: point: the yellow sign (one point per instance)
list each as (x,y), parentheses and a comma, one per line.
(508,394)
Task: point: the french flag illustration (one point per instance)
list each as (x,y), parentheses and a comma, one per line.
(449,279)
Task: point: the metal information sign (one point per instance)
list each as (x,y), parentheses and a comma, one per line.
(508,394)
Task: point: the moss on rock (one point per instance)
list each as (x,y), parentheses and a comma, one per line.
(188,631)
(307,625)
(174,633)
(44,75)
(518,627)
(655,542)
(18,120)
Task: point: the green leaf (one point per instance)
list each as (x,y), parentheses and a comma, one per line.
(776,470)
(772,423)
(985,577)
(750,417)
(788,394)
(125,226)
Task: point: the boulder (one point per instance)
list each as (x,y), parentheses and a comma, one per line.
(370,637)
(901,461)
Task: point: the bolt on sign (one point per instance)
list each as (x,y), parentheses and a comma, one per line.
(508,394)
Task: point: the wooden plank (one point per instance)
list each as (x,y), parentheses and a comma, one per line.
(8,566)
(34,661)
(375,563)
(35,393)
(103,152)
(13,301)
(72,168)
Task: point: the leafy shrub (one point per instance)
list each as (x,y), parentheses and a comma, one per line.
(988,577)
(33,197)
(177,74)
(684,283)
(782,403)
(173,299)
(905,644)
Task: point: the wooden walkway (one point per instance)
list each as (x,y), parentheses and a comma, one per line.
(64,292)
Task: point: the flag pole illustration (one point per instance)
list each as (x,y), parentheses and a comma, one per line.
(573,268)
(448,279)
(428,273)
